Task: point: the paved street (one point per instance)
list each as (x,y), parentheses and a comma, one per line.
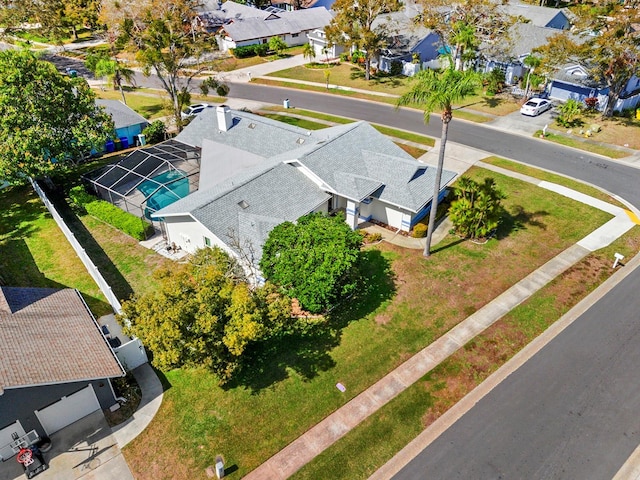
(570,412)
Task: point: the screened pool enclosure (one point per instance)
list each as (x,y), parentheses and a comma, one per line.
(148,179)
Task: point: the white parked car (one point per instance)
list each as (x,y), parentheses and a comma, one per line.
(193,110)
(535,106)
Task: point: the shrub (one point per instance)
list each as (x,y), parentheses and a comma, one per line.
(344,57)
(419,230)
(395,68)
(591,102)
(155,132)
(570,112)
(261,49)
(374,237)
(123,221)
(494,81)
(357,56)
(245,51)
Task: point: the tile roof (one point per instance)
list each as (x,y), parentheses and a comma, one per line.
(122,115)
(48,336)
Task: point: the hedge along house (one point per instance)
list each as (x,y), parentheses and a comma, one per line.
(55,366)
(257,173)
(291,27)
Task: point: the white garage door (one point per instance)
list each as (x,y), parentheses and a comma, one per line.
(68,409)
(6,439)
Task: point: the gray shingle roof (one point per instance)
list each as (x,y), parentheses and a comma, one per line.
(48,336)
(122,115)
(359,149)
(250,210)
(258,135)
(537,15)
(284,23)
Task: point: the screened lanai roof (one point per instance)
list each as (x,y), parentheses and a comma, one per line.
(147,172)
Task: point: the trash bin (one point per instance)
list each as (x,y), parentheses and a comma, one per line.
(286,103)
(124,141)
(117,144)
(110,146)
(142,139)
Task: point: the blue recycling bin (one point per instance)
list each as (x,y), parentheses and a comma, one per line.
(124,141)
(110,146)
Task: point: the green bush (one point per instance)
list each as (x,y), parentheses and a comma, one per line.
(396,68)
(419,230)
(494,81)
(261,49)
(123,221)
(155,132)
(247,51)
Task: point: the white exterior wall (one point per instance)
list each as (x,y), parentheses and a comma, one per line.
(189,234)
(392,216)
(323,208)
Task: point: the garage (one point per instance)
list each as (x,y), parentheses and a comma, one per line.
(68,410)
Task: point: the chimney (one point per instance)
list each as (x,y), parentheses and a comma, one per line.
(225,121)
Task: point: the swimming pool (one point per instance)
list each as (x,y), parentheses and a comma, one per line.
(169,187)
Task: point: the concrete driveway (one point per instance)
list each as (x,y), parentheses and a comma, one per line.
(85,449)
(517,123)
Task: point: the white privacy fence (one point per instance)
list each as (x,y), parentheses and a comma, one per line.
(82,254)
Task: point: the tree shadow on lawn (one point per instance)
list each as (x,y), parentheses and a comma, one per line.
(306,350)
(20,208)
(519,219)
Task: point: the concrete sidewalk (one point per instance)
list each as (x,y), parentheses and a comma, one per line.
(320,437)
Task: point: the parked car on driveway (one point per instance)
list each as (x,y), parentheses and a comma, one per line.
(193,110)
(535,106)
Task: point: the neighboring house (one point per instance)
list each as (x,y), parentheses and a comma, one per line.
(128,123)
(213,14)
(574,81)
(257,173)
(318,40)
(55,366)
(524,38)
(547,17)
(291,27)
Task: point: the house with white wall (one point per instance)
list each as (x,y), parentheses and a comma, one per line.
(249,28)
(257,173)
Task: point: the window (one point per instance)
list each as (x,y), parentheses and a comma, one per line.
(294,35)
(207,241)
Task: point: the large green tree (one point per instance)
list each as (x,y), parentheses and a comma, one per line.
(48,122)
(314,260)
(608,45)
(204,314)
(166,43)
(477,209)
(353,26)
(463,26)
(439,90)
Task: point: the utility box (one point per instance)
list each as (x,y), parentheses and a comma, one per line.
(286,103)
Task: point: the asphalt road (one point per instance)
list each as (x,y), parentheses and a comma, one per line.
(570,412)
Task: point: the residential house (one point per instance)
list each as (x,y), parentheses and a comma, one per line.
(55,366)
(292,27)
(323,50)
(574,81)
(128,123)
(546,17)
(257,173)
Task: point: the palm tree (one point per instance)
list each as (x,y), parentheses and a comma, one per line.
(532,62)
(466,44)
(309,52)
(115,72)
(438,90)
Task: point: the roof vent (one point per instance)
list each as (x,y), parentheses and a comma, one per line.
(300,141)
(243,204)
(252,125)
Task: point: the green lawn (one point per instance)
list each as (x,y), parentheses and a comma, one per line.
(293,386)
(36,253)
(374,442)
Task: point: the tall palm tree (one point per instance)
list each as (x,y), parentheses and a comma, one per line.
(309,52)
(438,90)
